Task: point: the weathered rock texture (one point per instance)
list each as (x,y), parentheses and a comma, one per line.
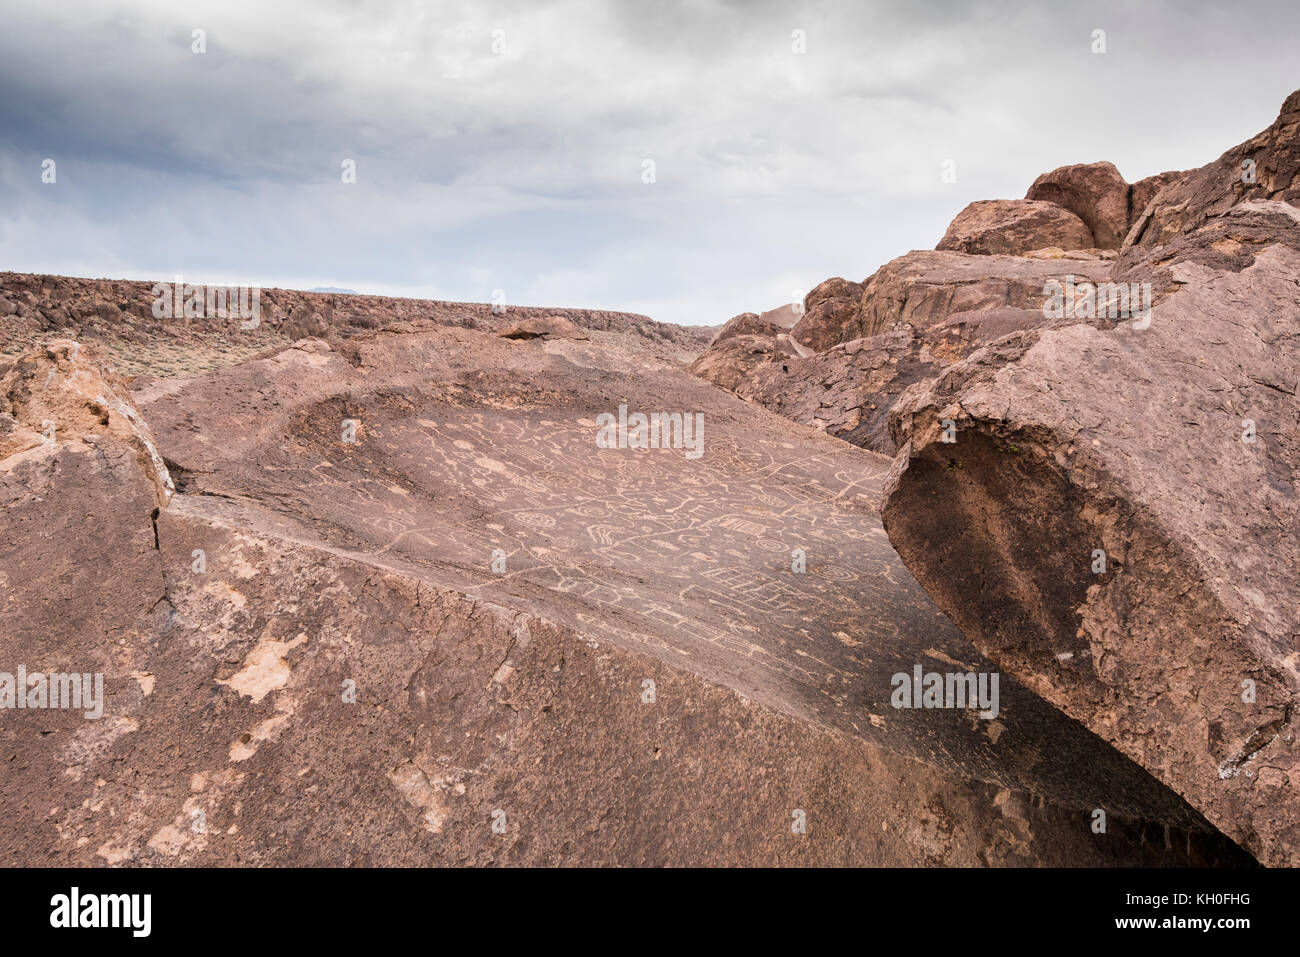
(543,327)
(117,315)
(1175,451)
(362,597)
(828,308)
(747,324)
(925,289)
(1095,192)
(310,658)
(834,288)
(1013,227)
(732,360)
(848,390)
(1145,190)
(1212,190)
(1099,195)
(916,315)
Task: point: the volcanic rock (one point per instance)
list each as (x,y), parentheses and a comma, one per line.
(60,388)
(747,324)
(848,390)
(827,309)
(136,342)
(1095,192)
(833,288)
(924,289)
(1267,166)
(730,364)
(1116,517)
(917,314)
(405,608)
(1144,190)
(537,327)
(1013,227)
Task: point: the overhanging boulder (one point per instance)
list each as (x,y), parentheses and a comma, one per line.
(1113,515)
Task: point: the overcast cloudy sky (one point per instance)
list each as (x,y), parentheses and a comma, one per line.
(522,169)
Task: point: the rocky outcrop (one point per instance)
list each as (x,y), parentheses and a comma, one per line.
(747,324)
(1111,512)
(848,390)
(1267,166)
(916,315)
(412,612)
(118,316)
(81,482)
(59,393)
(1012,227)
(1095,192)
(1226,243)
(828,309)
(924,289)
(1144,190)
(730,363)
(834,288)
(416,588)
(543,327)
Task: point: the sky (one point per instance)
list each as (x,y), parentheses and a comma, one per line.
(506,146)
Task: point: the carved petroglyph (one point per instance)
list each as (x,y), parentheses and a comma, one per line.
(474,447)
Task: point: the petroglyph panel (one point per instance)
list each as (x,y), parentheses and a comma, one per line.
(467,444)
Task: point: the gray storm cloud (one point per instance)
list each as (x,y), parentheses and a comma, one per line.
(503,145)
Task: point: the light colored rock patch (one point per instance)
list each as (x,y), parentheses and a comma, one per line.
(265,669)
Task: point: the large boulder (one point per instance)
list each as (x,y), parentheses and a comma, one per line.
(829,307)
(1267,166)
(311,657)
(1111,511)
(924,289)
(1013,227)
(746,324)
(1095,192)
(834,288)
(61,392)
(731,362)
(81,482)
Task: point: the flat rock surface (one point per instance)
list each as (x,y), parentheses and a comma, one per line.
(466,446)
(308,659)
